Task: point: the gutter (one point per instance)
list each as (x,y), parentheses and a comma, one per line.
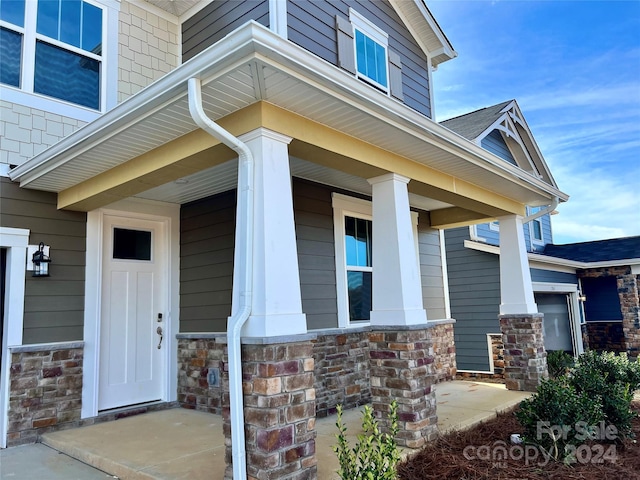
(542,212)
(244,257)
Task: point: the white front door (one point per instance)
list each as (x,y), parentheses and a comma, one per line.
(133,305)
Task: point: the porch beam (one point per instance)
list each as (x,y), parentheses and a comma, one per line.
(183,156)
(455,217)
(335,149)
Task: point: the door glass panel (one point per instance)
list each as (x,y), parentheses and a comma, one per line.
(556,323)
(131,244)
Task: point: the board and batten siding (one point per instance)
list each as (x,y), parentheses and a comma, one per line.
(54,305)
(218,19)
(312,25)
(207,230)
(474,292)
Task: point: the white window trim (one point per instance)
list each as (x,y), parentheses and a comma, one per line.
(16,241)
(378,35)
(345,206)
(495,226)
(535,241)
(24,95)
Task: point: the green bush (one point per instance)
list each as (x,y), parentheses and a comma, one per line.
(613,378)
(559,362)
(550,415)
(375,454)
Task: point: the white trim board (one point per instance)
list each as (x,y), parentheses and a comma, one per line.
(133,208)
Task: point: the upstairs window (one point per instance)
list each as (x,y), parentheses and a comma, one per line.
(363,50)
(53,48)
(535,227)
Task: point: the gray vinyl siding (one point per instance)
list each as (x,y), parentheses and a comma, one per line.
(218,19)
(496,145)
(474,289)
(549,276)
(316,253)
(431,269)
(54,305)
(312,25)
(207,229)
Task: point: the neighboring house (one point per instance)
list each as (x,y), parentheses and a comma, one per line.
(201,162)
(562,275)
(609,276)
(473,255)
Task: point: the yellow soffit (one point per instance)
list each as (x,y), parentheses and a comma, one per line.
(197,151)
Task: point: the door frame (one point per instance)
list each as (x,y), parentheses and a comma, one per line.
(570,289)
(166,213)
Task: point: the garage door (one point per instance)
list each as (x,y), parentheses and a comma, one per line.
(557,322)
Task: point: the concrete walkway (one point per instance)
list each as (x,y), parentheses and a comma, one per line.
(186,444)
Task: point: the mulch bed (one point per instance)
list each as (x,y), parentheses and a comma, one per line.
(446,459)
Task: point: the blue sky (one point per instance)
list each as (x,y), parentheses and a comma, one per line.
(574,68)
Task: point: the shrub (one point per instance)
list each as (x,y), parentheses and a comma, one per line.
(550,415)
(559,362)
(613,378)
(375,454)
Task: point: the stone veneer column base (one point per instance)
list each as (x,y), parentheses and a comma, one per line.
(401,360)
(279,409)
(524,355)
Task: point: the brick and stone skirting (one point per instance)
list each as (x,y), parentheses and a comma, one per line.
(201,367)
(341,369)
(45,389)
(402,369)
(525,357)
(629,294)
(605,336)
(279,409)
(444,350)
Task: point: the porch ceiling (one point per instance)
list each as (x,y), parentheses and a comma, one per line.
(253,67)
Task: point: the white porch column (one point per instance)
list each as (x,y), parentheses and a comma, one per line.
(516,291)
(397,289)
(276,301)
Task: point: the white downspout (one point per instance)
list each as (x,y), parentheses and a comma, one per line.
(542,212)
(244,225)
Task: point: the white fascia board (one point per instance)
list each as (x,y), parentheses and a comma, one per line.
(254,41)
(561,262)
(407,13)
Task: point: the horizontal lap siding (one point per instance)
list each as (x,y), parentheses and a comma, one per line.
(431,269)
(316,253)
(549,276)
(207,229)
(54,306)
(217,20)
(311,24)
(474,289)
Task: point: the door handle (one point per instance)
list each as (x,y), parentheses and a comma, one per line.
(159,332)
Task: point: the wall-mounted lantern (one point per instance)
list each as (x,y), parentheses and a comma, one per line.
(40,262)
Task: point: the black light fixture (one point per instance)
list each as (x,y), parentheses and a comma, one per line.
(40,262)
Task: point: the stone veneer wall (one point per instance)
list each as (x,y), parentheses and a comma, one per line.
(444,351)
(45,391)
(279,410)
(605,336)
(628,293)
(197,353)
(341,369)
(524,354)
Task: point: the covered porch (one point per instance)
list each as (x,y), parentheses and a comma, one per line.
(301,122)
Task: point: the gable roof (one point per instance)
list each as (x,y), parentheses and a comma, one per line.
(471,125)
(507,118)
(597,251)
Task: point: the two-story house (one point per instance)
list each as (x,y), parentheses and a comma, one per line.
(243,206)
(587,291)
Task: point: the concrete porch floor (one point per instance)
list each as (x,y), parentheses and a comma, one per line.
(187,444)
